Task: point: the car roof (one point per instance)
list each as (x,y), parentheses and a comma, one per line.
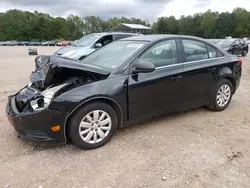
(118,33)
(151,38)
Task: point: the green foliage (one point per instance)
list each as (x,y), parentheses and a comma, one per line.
(207,25)
(27,26)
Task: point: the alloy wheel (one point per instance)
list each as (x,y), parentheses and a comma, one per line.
(95,126)
(223,95)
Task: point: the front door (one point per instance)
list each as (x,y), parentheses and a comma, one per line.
(159,91)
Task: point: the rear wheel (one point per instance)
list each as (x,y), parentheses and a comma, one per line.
(93,125)
(221,96)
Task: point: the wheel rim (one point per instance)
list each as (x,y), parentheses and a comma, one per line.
(223,95)
(95,126)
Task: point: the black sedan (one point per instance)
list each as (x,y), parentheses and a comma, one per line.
(234,46)
(129,80)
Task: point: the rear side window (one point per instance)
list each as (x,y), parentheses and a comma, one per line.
(194,50)
(213,52)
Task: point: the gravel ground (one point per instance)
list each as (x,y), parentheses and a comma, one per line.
(198,148)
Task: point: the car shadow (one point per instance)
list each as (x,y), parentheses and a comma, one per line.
(124,130)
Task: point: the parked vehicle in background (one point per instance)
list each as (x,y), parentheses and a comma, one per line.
(214,40)
(234,46)
(131,79)
(246,40)
(10,43)
(49,43)
(81,48)
(63,43)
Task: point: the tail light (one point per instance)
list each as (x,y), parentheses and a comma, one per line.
(239,62)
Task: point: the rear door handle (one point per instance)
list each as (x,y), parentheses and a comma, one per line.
(212,69)
(176,78)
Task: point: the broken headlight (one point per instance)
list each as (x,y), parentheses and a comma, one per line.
(45,98)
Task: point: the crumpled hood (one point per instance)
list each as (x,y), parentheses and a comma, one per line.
(74,52)
(47,66)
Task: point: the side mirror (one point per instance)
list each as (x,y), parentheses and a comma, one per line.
(142,66)
(98,45)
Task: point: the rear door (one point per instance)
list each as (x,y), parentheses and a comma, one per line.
(200,71)
(159,91)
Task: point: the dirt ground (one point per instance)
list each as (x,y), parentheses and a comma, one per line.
(198,148)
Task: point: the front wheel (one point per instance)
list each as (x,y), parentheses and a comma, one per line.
(221,96)
(93,125)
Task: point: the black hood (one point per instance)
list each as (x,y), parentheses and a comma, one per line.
(47,66)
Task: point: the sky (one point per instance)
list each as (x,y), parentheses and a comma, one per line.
(143,9)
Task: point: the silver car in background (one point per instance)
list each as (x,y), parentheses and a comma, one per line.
(81,48)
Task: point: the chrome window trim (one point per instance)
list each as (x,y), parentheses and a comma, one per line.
(188,62)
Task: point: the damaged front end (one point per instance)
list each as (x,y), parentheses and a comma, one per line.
(30,99)
(29,110)
(52,76)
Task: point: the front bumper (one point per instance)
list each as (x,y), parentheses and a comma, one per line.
(36,126)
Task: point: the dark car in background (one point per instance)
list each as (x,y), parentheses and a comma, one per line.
(234,46)
(127,81)
(81,48)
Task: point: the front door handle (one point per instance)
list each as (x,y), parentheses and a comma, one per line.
(176,78)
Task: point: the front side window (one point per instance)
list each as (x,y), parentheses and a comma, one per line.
(161,54)
(114,55)
(194,50)
(86,40)
(105,40)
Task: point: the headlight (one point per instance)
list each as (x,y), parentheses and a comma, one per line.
(45,98)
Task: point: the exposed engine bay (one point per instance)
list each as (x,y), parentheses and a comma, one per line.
(52,76)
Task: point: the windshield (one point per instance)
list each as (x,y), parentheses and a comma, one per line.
(87,40)
(225,42)
(114,55)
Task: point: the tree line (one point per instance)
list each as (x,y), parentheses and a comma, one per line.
(35,26)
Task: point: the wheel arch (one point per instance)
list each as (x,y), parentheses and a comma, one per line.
(106,100)
(231,79)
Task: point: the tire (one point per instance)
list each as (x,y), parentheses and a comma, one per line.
(94,135)
(216,105)
(244,53)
